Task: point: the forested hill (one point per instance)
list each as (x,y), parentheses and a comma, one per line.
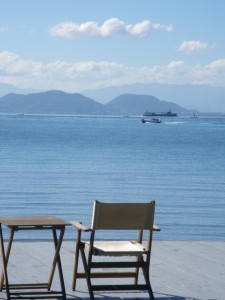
(132,104)
(58,102)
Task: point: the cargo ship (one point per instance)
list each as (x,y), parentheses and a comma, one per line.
(154,114)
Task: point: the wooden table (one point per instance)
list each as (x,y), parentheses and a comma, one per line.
(36,290)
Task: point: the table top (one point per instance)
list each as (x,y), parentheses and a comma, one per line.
(33,221)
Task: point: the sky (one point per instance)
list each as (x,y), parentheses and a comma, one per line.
(72,45)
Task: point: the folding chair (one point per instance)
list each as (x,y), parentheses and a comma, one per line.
(116,216)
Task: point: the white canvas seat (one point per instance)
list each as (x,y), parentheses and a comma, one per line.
(116,248)
(119,217)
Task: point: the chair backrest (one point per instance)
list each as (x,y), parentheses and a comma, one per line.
(131,216)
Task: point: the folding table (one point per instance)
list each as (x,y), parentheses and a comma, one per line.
(35,290)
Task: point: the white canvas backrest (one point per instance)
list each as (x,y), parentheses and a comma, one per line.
(123,215)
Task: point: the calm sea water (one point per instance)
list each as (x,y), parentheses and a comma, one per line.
(57,165)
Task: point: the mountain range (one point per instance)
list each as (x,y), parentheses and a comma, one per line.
(6,88)
(204,98)
(59,102)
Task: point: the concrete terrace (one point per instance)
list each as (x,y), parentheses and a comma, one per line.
(180,270)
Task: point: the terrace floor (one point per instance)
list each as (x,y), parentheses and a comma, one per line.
(180,270)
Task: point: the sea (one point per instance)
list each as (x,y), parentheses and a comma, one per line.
(58,165)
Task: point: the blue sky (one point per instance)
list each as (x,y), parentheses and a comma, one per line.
(73,45)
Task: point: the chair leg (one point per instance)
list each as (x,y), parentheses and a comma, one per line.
(147,281)
(136,272)
(145,271)
(76,259)
(149,289)
(87,274)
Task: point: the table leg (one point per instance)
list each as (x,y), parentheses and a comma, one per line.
(7,255)
(5,259)
(57,260)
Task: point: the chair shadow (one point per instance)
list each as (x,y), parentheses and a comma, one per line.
(158,296)
(115,296)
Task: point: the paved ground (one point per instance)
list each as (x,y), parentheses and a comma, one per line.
(180,270)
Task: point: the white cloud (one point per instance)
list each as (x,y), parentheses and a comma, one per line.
(163,27)
(192,46)
(109,28)
(11,63)
(76,76)
(213,73)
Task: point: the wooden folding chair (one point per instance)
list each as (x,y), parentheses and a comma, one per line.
(117,217)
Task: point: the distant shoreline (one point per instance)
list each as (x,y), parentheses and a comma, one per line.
(14,114)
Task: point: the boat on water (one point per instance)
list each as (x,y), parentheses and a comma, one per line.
(153,114)
(194,116)
(153,120)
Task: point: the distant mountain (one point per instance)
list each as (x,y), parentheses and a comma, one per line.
(51,102)
(58,102)
(130,104)
(9,88)
(204,98)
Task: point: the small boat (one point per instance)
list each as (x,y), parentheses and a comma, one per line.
(153,120)
(195,116)
(20,115)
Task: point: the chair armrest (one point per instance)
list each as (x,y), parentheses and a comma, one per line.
(156,228)
(80,226)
